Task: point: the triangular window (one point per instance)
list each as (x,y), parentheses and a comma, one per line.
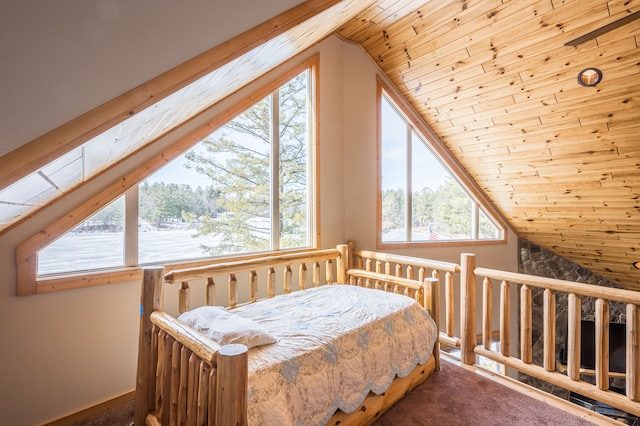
(422,201)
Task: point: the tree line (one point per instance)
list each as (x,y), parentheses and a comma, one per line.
(447,209)
(160,203)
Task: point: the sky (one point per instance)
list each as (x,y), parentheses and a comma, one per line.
(175,172)
(427,170)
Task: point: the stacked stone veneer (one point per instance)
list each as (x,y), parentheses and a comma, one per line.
(535,260)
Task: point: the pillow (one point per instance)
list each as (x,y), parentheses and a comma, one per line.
(225,327)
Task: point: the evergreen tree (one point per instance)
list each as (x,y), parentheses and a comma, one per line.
(163,202)
(393,210)
(452,208)
(110,217)
(237,160)
(423,202)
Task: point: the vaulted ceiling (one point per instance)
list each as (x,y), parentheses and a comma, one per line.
(497,82)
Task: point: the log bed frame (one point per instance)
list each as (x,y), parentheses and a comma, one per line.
(186,377)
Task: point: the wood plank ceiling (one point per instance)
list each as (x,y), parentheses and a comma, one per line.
(496,82)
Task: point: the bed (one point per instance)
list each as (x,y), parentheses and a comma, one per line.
(337,343)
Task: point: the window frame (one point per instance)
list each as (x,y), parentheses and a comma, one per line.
(416,124)
(29,282)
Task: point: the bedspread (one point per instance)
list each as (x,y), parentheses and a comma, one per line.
(335,344)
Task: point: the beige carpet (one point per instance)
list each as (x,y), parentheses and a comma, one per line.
(455,396)
(452,396)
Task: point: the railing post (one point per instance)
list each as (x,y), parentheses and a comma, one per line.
(487,312)
(271,282)
(150,300)
(350,252)
(315,276)
(253,286)
(232,385)
(302,276)
(432,303)
(449,304)
(526,342)
(573,336)
(287,280)
(633,353)
(505,318)
(210,293)
(184,299)
(549,330)
(232,290)
(342,263)
(602,344)
(467,308)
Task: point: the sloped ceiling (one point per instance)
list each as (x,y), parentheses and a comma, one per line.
(496,82)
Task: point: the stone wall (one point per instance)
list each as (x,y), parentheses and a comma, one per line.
(538,261)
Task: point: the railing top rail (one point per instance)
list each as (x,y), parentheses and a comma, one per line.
(202,272)
(413,261)
(583,289)
(413,284)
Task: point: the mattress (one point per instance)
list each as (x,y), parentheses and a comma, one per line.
(335,344)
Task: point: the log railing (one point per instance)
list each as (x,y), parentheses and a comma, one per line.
(414,268)
(326,267)
(576,292)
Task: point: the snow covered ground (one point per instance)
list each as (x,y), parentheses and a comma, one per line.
(86,251)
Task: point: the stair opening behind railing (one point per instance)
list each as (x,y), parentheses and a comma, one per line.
(478,340)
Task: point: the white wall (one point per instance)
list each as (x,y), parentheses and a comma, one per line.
(64,351)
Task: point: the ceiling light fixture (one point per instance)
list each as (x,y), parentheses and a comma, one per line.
(589,77)
(636,264)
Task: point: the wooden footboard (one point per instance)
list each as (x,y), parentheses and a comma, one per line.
(184,377)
